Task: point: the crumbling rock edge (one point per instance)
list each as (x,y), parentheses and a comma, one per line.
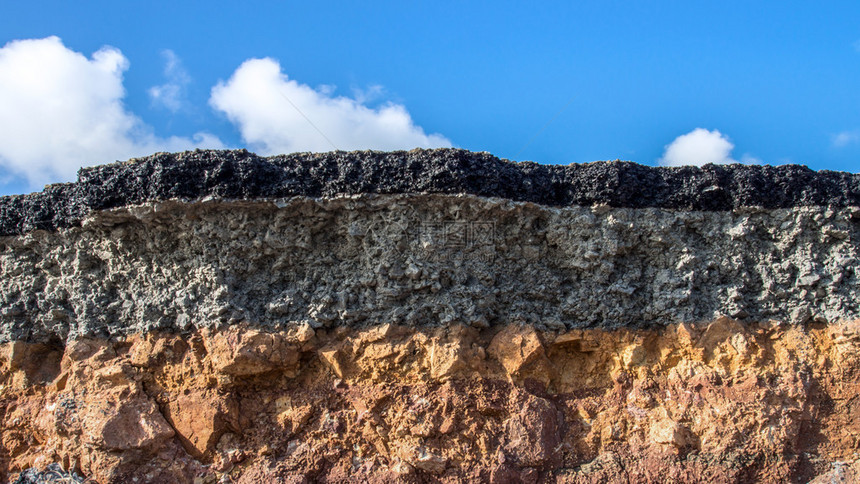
(241,175)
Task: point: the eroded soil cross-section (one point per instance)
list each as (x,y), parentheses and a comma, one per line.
(430,316)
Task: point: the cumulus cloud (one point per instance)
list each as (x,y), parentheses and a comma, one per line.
(171,94)
(846,138)
(700,147)
(62,110)
(275,114)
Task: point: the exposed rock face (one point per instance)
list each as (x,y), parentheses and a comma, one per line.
(729,401)
(424,260)
(430,316)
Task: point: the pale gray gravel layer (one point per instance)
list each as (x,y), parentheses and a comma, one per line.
(424,260)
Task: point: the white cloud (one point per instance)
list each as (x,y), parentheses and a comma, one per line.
(61,110)
(365,96)
(171,95)
(700,147)
(846,138)
(748,159)
(275,114)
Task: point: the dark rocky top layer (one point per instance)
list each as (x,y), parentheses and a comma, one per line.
(243,175)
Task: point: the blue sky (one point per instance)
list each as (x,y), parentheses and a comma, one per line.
(652,82)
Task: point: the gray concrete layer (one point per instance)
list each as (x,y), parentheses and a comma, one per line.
(424,260)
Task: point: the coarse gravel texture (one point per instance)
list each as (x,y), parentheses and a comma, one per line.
(424,260)
(243,175)
(52,474)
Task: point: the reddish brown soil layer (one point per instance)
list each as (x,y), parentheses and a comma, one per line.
(720,402)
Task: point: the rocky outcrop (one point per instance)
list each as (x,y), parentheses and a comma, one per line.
(430,316)
(728,401)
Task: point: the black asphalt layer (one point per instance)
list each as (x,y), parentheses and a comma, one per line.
(240,174)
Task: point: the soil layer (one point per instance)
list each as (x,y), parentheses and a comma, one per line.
(719,402)
(241,175)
